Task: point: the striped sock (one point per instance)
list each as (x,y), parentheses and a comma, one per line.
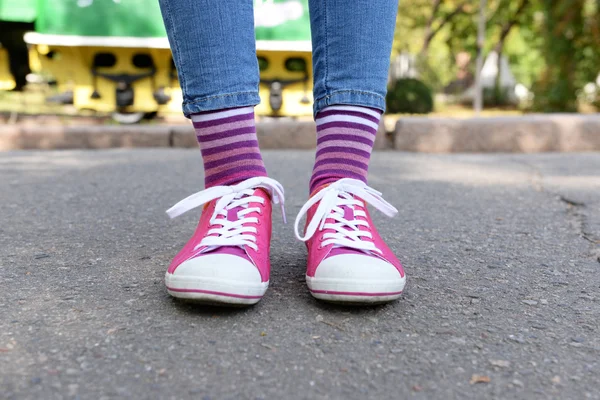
(345,138)
(229,146)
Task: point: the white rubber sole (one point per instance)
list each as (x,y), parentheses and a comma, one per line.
(215,291)
(352,291)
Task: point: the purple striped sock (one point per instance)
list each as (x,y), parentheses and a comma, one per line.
(229,146)
(345,138)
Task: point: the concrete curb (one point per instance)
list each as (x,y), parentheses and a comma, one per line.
(276,134)
(15,137)
(524,134)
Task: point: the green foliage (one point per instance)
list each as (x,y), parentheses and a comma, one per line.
(493,97)
(552,46)
(589,43)
(523,50)
(563,29)
(496,97)
(436,68)
(409,96)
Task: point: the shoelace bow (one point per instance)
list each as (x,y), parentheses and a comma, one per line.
(346,233)
(231,233)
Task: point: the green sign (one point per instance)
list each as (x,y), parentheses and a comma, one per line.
(132,18)
(18,10)
(286,20)
(275,20)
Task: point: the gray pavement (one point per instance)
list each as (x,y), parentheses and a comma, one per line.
(503,298)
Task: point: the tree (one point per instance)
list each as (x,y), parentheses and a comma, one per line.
(563,29)
(440,17)
(507,19)
(552,46)
(423,28)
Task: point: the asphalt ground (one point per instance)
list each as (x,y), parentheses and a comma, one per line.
(502,301)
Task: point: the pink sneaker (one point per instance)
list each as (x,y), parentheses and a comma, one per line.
(348,262)
(227,259)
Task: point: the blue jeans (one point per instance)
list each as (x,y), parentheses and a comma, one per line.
(214,50)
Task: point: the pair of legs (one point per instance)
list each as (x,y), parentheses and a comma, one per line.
(213,47)
(226,260)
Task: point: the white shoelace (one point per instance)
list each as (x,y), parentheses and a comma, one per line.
(232,233)
(346,232)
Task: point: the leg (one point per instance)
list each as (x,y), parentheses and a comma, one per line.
(352,41)
(227,259)
(214,51)
(347,259)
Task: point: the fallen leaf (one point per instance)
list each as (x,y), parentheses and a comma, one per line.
(417,388)
(479,379)
(263,333)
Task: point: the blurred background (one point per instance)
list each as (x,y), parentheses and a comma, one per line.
(108,61)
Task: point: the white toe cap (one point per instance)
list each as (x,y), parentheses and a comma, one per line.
(219,266)
(357,267)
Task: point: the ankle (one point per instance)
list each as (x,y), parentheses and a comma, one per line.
(345,139)
(229,146)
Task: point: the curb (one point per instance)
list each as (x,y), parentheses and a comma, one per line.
(523,134)
(276,134)
(14,137)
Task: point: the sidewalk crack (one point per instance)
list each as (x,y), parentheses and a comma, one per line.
(573,208)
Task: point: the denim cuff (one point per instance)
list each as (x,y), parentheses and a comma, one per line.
(221,102)
(350,97)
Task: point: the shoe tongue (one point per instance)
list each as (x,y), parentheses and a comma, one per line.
(232,250)
(336,251)
(232,216)
(348,216)
(348,213)
(232,213)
